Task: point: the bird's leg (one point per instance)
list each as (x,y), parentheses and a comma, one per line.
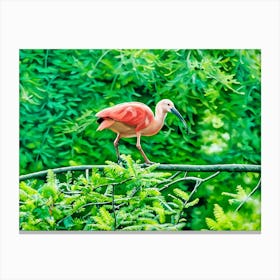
(116,145)
(138,145)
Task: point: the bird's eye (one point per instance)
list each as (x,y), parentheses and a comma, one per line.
(168,104)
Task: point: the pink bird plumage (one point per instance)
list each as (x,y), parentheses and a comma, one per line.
(134,114)
(134,119)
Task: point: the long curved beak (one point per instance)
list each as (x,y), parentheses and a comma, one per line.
(176,112)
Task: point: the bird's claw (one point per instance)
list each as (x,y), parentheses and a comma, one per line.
(120,162)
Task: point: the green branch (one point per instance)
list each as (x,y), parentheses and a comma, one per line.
(170,167)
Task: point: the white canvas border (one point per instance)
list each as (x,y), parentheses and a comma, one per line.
(146,24)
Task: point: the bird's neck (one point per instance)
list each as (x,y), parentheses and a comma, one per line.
(157,123)
(160,117)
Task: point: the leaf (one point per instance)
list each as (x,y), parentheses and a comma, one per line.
(212,224)
(68,222)
(192,203)
(181,194)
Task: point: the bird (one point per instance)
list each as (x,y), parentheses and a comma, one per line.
(135,119)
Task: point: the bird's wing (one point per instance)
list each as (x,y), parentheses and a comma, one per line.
(134,114)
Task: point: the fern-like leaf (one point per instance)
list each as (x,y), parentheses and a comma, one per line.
(192,203)
(157,207)
(222,220)
(181,194)
(50,189)
(106,216)
(219,213)
(213,225)
(241,192)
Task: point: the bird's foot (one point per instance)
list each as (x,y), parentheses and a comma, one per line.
(120,162)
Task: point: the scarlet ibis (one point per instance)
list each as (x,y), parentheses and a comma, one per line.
(135,119)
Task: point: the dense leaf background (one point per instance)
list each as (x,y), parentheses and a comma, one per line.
(217,91)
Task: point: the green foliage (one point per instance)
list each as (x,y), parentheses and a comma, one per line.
(217,91)
(91,204)
(248,218)
(119,198)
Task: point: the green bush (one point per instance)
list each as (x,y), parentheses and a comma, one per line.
(125,199)
(122,199)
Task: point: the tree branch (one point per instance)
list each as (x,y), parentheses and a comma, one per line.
(170,167)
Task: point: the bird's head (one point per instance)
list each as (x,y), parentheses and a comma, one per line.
(167,105)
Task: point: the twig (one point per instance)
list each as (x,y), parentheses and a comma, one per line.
(113,206)
(169,179)
(71,192)
(114,183)
(170,167)
(180,180)
(133,192)
(87,174)
(85,205)
(198,182)
(249,195)
(211,176)
(174,175)
(197,179)
(100,58)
